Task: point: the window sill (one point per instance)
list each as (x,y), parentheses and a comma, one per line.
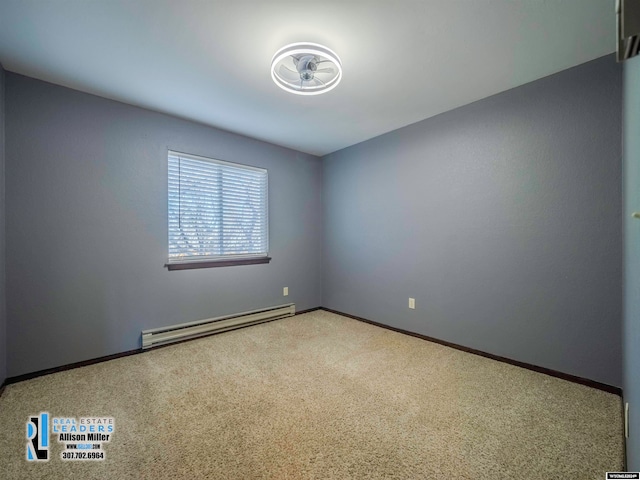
(217,263)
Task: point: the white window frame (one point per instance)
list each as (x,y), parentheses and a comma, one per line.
(202,259)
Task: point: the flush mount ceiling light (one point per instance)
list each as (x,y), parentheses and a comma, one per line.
(306,69)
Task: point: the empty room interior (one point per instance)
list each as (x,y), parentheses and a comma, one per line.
(331,240)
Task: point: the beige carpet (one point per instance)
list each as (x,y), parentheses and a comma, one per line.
(319,396)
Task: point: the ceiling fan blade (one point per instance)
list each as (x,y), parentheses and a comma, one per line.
(288,74)
(325,70)
(319,81)
(295,72)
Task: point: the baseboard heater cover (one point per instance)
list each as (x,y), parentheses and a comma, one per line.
(199,328)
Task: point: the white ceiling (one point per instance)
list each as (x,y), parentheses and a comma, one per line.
(209,61)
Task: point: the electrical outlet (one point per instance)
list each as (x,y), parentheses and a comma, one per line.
(412,303)
(626,420)
(285,291)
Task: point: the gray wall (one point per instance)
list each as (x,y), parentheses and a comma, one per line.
(3,318)
(631,327)
(86,226)
(501,218)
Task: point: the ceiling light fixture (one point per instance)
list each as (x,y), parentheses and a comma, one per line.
(306,69)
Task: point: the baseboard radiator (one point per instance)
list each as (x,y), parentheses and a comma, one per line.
(199,328)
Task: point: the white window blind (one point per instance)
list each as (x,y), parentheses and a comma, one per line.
(217,210)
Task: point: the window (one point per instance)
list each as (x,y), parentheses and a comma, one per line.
(218,213)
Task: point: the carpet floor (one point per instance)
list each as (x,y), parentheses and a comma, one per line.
(318,396)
